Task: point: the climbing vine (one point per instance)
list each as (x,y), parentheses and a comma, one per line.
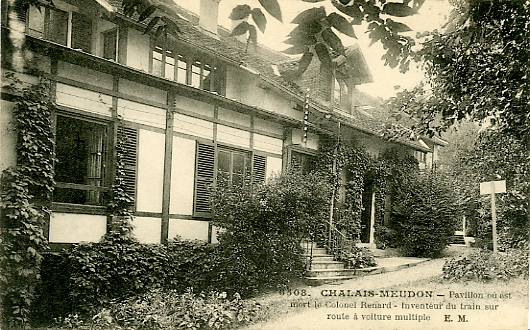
(345,166)
(26,195)
(119,207)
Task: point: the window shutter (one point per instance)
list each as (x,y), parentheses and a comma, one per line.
(21,9)
(203,178)
(259,168)
(129,158)
(81,32)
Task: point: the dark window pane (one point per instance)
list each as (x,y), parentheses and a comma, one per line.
(224,161)
(110,42)
(80,151)
(239,164)
(57,30)
(81,32)
(36,22)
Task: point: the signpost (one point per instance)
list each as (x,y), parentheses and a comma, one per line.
(493,187)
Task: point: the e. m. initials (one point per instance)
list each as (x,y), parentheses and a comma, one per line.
(461,318)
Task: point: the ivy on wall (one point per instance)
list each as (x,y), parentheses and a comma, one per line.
(26,195)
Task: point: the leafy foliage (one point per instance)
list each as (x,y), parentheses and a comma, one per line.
(262,226)
(357,257)
(477,68)
(26,194)
(169,309)
(484,265)
(423,216)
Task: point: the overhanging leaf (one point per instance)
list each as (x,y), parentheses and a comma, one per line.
(312,1)
(259,18)
(397,27)
(253,35)
(240,12)
(273,8)
(398,9)
(351,10)
(305,61)
(333,41)
(299,40)
(341,24)
(309,15)
(242,28)
(294,50)
(323,55)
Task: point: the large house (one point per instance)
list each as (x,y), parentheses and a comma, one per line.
(192,108)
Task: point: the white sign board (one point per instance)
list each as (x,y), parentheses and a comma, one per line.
(493,187)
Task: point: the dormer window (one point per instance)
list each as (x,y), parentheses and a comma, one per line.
(201,73)
(67,28)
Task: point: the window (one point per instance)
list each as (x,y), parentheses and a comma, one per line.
(69,29)
(81,151)
(303,162)
(110,45)
(233,167)
(186,70)
(421,156)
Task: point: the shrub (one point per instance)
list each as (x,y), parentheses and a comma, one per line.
(263,226)
(423,217)
(484,265)
(357,257)
(102,272)
(167,309)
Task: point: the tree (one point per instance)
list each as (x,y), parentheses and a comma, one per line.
(477,68)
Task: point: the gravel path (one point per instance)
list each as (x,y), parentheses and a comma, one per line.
(305,315)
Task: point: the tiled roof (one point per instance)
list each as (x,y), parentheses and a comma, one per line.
(262,59)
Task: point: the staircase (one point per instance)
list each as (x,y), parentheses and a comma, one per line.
(321,266)
(458,238)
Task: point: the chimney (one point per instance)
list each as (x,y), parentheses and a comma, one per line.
(208,17)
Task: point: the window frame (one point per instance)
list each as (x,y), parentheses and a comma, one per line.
(216,69)
(106,165)
(305,153)
(45,12)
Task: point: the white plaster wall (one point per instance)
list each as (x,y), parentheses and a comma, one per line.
(188,229)
(233,136)
(84,75)
(267,126)
(244,87)
(147,230)
(8,137)
(193,126)
(233,117)
(195,106)
(274,166)
(311,142)
(82,99)
(142,114)
(75,228)
(142,91)
(269,144)
(138,50)
(150,171)
(182,176)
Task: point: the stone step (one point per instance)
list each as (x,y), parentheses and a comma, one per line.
(319,257)
(327,264)
(315,251)
(329,273)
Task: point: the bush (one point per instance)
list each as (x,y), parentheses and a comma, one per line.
(168,309)
(357,257)
(262,227)
(424,217)
(484,265)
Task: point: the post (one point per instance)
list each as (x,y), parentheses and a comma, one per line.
(493,219)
